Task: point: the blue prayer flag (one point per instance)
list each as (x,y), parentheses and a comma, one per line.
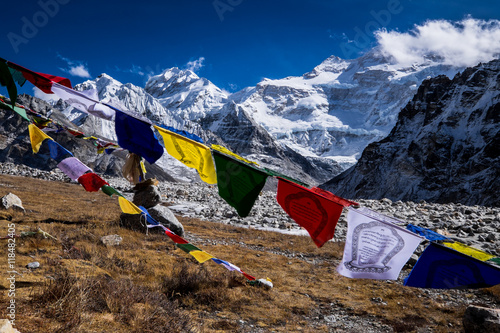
(427,233)
(443,268)
(149,218)
(137,136)
(58,152)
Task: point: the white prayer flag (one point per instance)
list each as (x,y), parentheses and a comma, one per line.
(86,101)
(375,248)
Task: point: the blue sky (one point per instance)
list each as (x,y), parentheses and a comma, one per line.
(233,43)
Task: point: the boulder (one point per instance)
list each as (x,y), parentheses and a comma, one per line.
(480,319)
(164,215)
(33,265)
(161,214)
(111,240)
(147,197)
(134,222)
(6,326)
(12,201)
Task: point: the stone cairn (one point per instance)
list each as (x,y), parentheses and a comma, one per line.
(147,195)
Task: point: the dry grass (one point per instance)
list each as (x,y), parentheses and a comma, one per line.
(147,285)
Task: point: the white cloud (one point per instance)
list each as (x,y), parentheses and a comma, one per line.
(49,98)
(195,65)
(75,68)
(79,70)
(137,70)
(463,43)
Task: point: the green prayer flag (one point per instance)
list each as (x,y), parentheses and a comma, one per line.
(106,189)
(188,247)
(18,110)
(277,174)
(17,76)
(239,183)
(7,81)
(495,260)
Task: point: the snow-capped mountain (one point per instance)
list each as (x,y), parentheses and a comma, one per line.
(185,95)
(339,107)
(316,124)
(188,102)
(445,146)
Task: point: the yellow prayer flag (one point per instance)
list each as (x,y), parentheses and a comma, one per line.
(191,153)
(230,153)
(128,207)
(36,136)
(470,251)
(143,167)
(201,256)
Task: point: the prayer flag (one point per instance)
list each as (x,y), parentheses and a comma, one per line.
(470,251)
(86,101)
(277,174)
(106,189)
(187,247)
(128,207)
(232,267)
(40,80)
(75,133)
(7,80)
(228,265)
(201,256)
(230,153)
(191,153)
(73,167)
(427,233)
(315,211)
(58,152)
(375,248)
(238,183)
(495,260)
(187,134)
(441,267)
(17,76)
(91,182)
(37,136)
(175,238)
(248,276)
(153,223)
(137,136)
(40,121)
(18,110)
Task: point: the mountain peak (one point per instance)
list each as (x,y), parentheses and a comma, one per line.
(175,72)
(332,64)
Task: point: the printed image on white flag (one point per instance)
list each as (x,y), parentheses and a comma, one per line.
(375,248)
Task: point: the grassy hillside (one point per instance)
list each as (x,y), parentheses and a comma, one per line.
(146,284)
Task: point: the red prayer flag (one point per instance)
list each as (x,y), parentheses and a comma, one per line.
(248,276)
(40,80)
(91,182)
(315,210)
(175,238)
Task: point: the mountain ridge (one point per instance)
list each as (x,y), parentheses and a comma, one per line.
(443,148)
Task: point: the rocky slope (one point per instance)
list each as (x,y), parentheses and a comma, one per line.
(477,226)
(444,147)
